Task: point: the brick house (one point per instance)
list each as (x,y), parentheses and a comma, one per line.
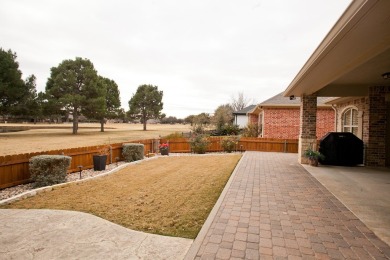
(352,63)
(279,117)
(242,117)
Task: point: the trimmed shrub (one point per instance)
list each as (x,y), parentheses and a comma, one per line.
(199,144)
(229,143)
(133,152)
(251,130)
(48,170)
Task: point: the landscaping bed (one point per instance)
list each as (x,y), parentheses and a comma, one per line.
(168,195)
(85,174)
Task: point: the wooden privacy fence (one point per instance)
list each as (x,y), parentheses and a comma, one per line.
(181,145)
(14,168)
(269,145)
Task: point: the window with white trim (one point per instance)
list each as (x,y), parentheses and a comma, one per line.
(350,121)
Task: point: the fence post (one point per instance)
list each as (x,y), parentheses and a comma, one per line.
(285,146)
(110,154)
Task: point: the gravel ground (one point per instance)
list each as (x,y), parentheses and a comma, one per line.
(85,174)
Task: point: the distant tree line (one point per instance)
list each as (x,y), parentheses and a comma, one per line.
(75,89)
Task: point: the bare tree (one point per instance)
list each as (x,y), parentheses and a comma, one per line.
(223,115)
(239,102)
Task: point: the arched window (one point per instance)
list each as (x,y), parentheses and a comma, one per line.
(350,121)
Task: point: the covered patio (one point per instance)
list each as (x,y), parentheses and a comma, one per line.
(353,64)
(365,191)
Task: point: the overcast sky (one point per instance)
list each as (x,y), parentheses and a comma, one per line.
(200,53)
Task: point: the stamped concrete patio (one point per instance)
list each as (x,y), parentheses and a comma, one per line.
(272,208)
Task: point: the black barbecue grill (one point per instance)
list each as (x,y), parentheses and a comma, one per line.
(342,149)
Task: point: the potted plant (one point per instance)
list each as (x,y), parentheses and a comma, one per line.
(164,149)
(313,156)
(100,159)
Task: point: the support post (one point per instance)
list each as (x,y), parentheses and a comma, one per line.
(308,122)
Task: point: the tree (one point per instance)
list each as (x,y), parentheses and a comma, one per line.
(190,119)
(162,116)
(240,102)
(113,101)
(122,115)
(31,100)
(28,104)
(223,115)
(50,107)
(106,105)
(202,119)
(74,85)
(146,102)
(12,87)
(169,120)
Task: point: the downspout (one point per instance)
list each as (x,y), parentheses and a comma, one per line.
(335,116)
(261,122)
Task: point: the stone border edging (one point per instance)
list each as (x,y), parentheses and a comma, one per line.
(191,254)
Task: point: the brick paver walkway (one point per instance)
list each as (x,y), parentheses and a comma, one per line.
(274,209)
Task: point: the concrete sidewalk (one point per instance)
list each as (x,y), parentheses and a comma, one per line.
(272,208)
(56,234)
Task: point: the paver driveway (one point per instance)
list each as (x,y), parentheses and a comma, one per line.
(274,209)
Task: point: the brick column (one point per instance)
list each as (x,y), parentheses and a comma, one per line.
(308,122)
(378,128)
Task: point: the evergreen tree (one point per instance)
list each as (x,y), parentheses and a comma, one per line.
(146,102)
(107,105)
(74,85)
(13,89)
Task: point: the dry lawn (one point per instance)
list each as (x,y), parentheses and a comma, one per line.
(46,137)
(169,196)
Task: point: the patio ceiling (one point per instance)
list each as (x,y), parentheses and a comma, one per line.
(352,57)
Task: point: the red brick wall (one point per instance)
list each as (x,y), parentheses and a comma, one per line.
(284,122)
(376,150)
(325,121)
(253,119)
(281,123)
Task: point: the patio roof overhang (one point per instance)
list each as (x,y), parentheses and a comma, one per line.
(352,57)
